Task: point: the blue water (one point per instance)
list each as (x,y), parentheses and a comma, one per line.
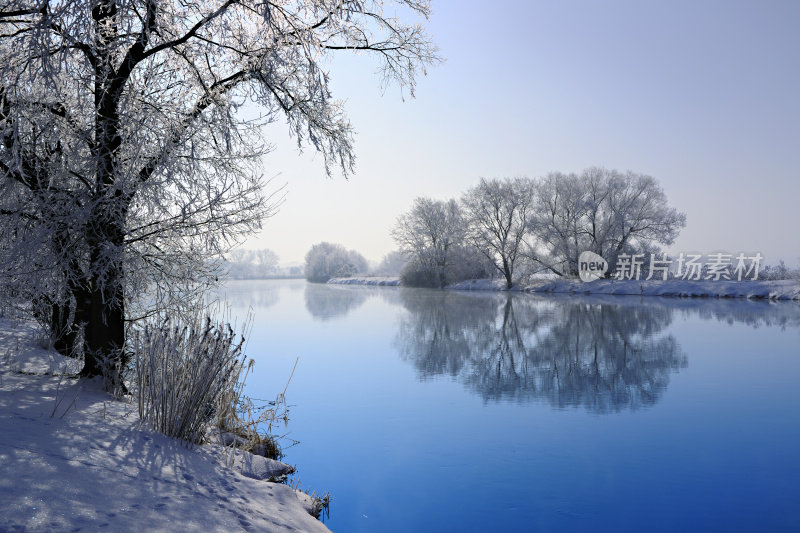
(426,410)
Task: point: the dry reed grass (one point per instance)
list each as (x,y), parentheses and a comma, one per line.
(182,372)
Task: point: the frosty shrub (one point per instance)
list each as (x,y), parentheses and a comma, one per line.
(182,371)
(780,272)
(414,275)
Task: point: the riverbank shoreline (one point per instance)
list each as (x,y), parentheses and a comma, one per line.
(756,290)
(75,458)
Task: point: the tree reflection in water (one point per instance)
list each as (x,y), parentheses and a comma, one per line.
(242,295)
(602,353)
(602,356)
(325,302)
(437,334)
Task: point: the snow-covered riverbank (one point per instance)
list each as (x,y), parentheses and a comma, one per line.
(768,290)
(75,459)
(367,280)
(760,289)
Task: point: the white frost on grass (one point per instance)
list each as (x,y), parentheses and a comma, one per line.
(367,280)
(73,458)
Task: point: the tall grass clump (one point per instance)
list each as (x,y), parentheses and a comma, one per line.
(182,372)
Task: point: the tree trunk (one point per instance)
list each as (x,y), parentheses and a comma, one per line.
(507,272)
(104,337)
(104,304)
(63,329)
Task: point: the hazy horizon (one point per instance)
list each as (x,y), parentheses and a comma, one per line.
(701,96)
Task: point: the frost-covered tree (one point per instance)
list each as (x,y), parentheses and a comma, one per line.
(499,217)
(430,235)
(558,217)
(606,212)
(327,260)
(124,159)
(780,271)
(391,264)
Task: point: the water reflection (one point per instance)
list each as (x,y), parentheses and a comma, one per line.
(241,294)
(439,332)
(754,313)
(601,353)
(325,302)
(569,352)
(605,357)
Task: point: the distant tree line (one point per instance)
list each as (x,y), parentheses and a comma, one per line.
(256,264)
(251,264)
(539,224)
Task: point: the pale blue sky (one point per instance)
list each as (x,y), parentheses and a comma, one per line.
(702,95)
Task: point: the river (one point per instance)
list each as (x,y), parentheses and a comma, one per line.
(423,410)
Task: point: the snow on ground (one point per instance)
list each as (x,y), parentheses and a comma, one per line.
(367,280)
(74,459)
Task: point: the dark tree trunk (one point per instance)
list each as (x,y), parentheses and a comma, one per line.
(58,319)
(507,272)
(63,329)
(104,337)
(104,302)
